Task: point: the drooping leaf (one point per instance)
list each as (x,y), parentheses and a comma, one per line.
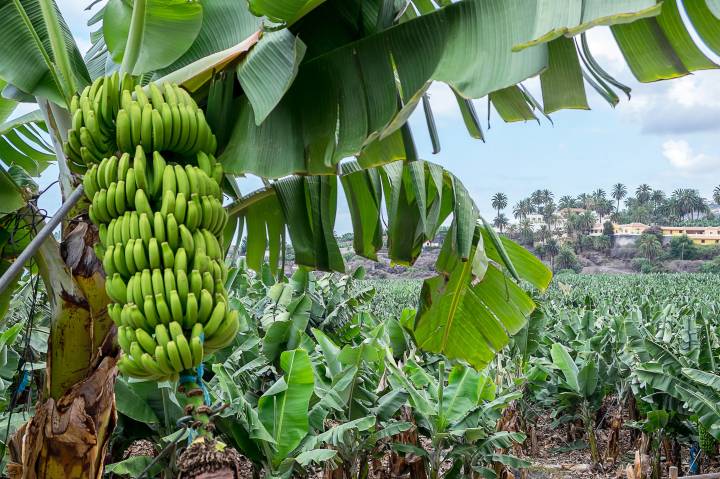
(679,38)
(23,143)
(309,205)
(511,105)
(524,263)
(363,191)
(470,116)
(569,17)
(660,48)
(358,103)
(464,317)
(265,223)
(269,69)
(562,83)
(705,22)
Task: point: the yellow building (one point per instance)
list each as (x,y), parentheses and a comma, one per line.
(701,235)
(707,235)
(630,229)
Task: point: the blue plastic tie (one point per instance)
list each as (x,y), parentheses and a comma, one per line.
(694,463)
(23,382)
(191,435)
(201,373)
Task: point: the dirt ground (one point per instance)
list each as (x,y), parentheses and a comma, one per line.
(555,456)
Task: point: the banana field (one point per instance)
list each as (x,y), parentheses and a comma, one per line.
(152,324)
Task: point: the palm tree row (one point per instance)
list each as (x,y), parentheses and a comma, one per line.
(646,205)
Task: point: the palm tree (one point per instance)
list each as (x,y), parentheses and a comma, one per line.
(649,246)
(642,193)
(523,208)
(716,195)
(658,197)
(548,212)
(585,200)
(604,207)
(566,202)
(551,249)
(499,202)
(543,234)
(526,232)
(546,195)
(619,191)
(566,258)
(537,199)
(500,222)
(586,220)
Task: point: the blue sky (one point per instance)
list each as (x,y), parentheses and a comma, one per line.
(666,136)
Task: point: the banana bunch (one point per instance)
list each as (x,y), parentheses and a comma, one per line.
(154,187)
(115,113)
(708,444)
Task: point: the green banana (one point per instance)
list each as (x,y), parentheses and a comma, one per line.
(174,356)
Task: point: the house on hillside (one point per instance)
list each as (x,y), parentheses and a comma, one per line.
(701,235)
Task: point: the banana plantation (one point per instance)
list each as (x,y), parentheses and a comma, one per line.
(154,326)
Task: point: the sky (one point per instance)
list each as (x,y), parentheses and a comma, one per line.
(667,135)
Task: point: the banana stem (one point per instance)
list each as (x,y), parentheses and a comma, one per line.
(137,27)
(195,401)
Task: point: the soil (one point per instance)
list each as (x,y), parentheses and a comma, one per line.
(596,263)
(556,458)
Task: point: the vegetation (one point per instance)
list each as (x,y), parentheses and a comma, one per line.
(683,207)
(256,371)
(627,355)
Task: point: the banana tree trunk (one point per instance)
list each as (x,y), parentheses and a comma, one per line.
(75,415)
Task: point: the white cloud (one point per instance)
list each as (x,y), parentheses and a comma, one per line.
(692,91)
(442,101)
(683,105)
(604,49)
(685,160)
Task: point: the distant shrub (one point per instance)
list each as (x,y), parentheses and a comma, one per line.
(567,259)
(711,266)
(682,247)
(646,266)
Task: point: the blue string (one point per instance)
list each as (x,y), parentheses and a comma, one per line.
(191,435)
(200,374)
(23,382)
(694,463)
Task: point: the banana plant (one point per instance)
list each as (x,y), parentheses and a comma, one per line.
(580,391)
(270,429)
(458,411)
(684,370)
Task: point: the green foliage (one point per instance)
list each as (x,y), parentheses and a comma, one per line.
(649,246)
(682,247)
(711,266)
(567,259)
